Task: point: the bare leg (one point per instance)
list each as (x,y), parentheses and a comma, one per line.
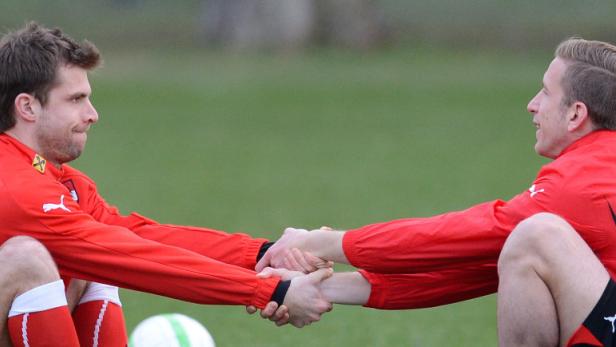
(549,281)
(74,292)
(24,264)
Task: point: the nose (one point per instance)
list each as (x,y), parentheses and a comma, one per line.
(533,104)
(91,114)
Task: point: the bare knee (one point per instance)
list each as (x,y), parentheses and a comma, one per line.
(26,261)
(533,240)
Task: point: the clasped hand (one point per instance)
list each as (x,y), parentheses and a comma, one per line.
(304,302)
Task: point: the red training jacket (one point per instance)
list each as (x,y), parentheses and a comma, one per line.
(422,262)
(90,240)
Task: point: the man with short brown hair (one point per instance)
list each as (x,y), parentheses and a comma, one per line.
(45,116)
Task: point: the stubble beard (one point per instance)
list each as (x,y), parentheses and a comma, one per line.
(58,149)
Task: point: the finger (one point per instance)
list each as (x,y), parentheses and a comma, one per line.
(283,321)
(290,261)
(291,230)
(317,262)
(269,272)
(280,313)
(301,258)
(251,309)
(326,228)
(264,261)
(323,307)
(266,272)
(321,274)
(269,309)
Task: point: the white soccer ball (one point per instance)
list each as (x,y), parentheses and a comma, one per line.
(170,330)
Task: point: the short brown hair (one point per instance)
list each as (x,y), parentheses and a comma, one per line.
(29,61)
(590,78)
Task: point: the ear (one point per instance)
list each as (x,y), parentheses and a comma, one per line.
(27,107)
(578,118)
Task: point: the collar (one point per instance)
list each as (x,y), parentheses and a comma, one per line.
(595,136)
(35,160)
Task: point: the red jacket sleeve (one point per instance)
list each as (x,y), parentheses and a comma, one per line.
(419,262)
(236,248)
(428,289)
(413,245)
(476,235)
(88,249)
(425,262)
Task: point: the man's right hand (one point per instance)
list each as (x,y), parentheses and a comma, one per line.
(304,299)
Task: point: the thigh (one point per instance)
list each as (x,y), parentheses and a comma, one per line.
(573,273)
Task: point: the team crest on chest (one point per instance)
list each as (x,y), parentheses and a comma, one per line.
(39,163)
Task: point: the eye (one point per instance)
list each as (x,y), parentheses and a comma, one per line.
(78,98)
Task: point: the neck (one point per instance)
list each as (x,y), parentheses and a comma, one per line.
(25,138)
(22,137)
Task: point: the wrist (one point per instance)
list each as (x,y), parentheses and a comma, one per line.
(347,288)
(264,247)
(281,291)
(326,244)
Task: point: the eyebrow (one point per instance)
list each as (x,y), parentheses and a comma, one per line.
(77,94)
(544,86)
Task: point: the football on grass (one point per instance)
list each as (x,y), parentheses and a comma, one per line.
(170,330)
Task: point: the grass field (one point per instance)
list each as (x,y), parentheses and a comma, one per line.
(257,143)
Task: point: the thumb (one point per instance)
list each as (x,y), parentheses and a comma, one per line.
(263,263)
(267,272)
(320,275)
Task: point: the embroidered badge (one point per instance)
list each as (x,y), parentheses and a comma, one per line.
(39,163)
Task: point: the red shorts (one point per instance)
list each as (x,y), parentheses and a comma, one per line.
(599,328)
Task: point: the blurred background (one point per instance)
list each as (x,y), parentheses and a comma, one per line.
(250,116)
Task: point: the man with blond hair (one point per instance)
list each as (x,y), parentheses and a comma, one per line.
(549,251)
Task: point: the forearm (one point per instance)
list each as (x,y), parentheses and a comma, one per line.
(420,290)
(348,288)
(428,244)
(231,248)
(237,248)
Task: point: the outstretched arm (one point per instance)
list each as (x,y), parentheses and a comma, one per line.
(412,245)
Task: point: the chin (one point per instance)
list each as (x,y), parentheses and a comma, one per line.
(542,151)
(68,157)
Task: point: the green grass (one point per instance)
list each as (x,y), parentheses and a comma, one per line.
(258,143)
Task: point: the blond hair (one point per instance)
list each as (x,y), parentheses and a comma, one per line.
(590,78)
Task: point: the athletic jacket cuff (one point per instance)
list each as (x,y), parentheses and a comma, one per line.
(349,242)
(264,291)
(378,291)
(281,291)
(263,249)
(253,246)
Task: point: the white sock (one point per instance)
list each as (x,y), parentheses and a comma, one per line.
(101,292)
(41,298)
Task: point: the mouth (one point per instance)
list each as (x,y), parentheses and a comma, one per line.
(81,130)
